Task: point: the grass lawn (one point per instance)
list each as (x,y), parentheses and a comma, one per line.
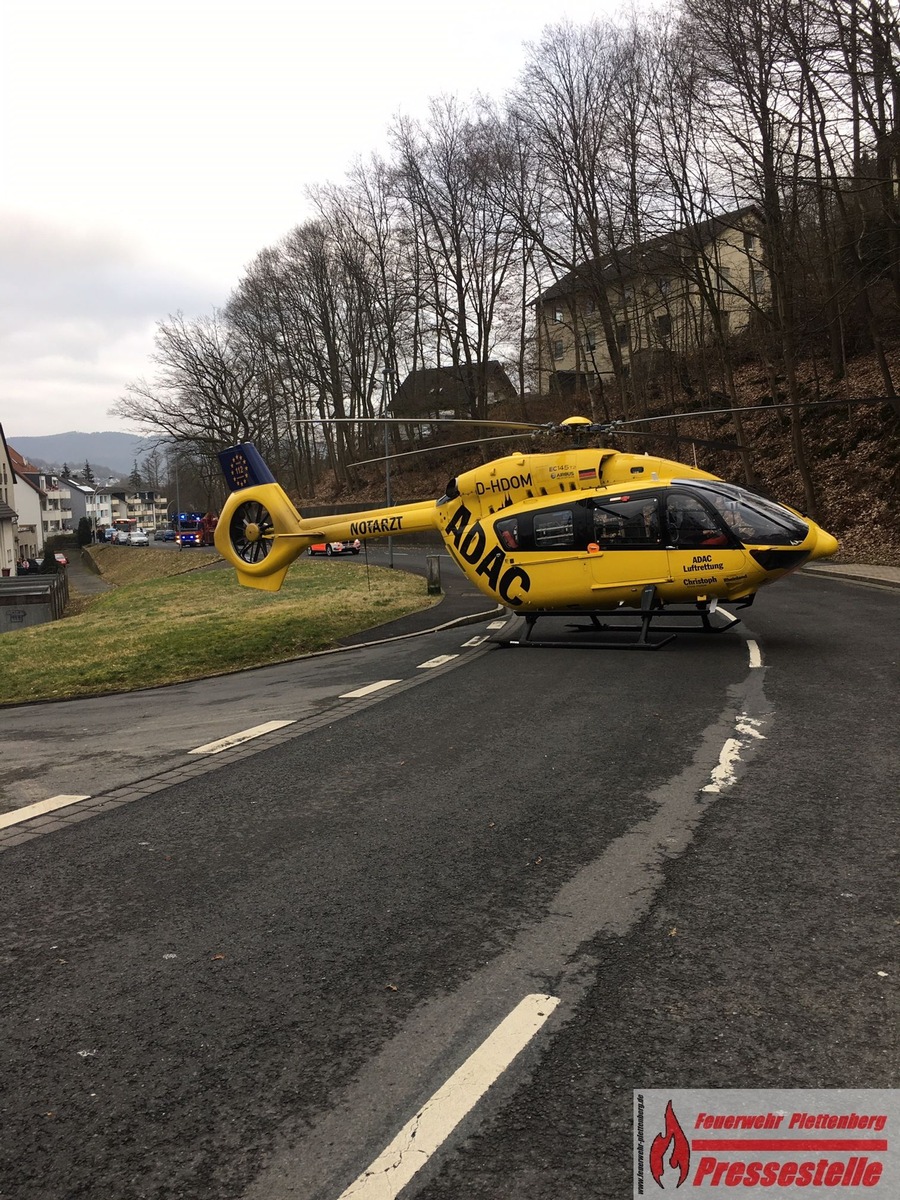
(155,628)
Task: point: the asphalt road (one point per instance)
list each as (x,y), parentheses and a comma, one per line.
(240,974)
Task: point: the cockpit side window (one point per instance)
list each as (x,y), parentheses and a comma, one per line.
(690,523)
(753,518)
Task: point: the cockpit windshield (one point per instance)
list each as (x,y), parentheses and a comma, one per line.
(752,518)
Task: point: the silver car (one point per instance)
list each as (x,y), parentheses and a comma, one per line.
(138,537)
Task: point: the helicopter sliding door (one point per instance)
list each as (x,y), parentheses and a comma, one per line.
(588,553)
(626,550)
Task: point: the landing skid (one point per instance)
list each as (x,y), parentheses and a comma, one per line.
(650,608)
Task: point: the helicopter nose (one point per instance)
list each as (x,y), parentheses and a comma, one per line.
(825,546)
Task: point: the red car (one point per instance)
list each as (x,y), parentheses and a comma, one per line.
(329,548)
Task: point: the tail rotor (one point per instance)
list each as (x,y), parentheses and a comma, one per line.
(251,532)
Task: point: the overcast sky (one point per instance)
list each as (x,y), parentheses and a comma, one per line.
(148,151)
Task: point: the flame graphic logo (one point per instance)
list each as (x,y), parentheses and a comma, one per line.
(680,1158)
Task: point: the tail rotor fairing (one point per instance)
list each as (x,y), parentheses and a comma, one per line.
(251,531)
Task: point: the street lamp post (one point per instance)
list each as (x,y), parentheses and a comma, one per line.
(387,461)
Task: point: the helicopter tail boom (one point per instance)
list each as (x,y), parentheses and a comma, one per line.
(261,533)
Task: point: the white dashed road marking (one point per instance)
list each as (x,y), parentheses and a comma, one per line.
(367,691)
(235,739)
(496,624)
(437,662)
(439,1116)
(475,641)
(38,809)
(755,654)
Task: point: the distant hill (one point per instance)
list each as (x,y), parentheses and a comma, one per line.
(108,453)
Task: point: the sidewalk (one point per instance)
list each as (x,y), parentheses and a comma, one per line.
(887,576)
(82,579)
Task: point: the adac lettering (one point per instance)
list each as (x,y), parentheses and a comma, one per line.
(505,483)
(376,525)
(703,563)
(470,544)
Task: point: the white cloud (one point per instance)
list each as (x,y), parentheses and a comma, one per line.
(151,149)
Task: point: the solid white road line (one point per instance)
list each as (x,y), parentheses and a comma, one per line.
(439,1116)
(367,691)
(235,739)
(755,655)
(37,810)
(437,662)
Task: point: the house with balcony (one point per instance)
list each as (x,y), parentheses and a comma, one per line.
(29,504)
(111,504)
(668,296)
(55,498)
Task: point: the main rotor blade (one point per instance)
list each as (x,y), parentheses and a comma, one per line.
(505,437)
(679,437)
(523,425)
(737,408)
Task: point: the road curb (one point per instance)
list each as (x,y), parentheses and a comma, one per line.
(857,575)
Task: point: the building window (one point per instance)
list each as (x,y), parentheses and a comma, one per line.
(558,350)
(759,282)
(623,334)
(663,325)
(589,343)
(749,242)
(664,286)
(558,316)
(628,295)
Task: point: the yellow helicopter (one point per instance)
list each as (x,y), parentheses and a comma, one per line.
(586,531)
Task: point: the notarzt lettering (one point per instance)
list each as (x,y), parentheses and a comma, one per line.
(378,525)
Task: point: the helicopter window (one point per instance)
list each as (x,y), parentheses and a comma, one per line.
(554,530)
(626,522)
(690,523)
(753,518)
(508,533)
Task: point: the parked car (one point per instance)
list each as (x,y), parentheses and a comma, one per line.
(159,535)
(61,558)
(329,548)
(121,538)
(138,537)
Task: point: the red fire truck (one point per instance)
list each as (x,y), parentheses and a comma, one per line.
(194,529)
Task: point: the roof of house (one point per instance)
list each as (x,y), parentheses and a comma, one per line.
(7,513)
(657,254)
(431,388)
(21,465)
